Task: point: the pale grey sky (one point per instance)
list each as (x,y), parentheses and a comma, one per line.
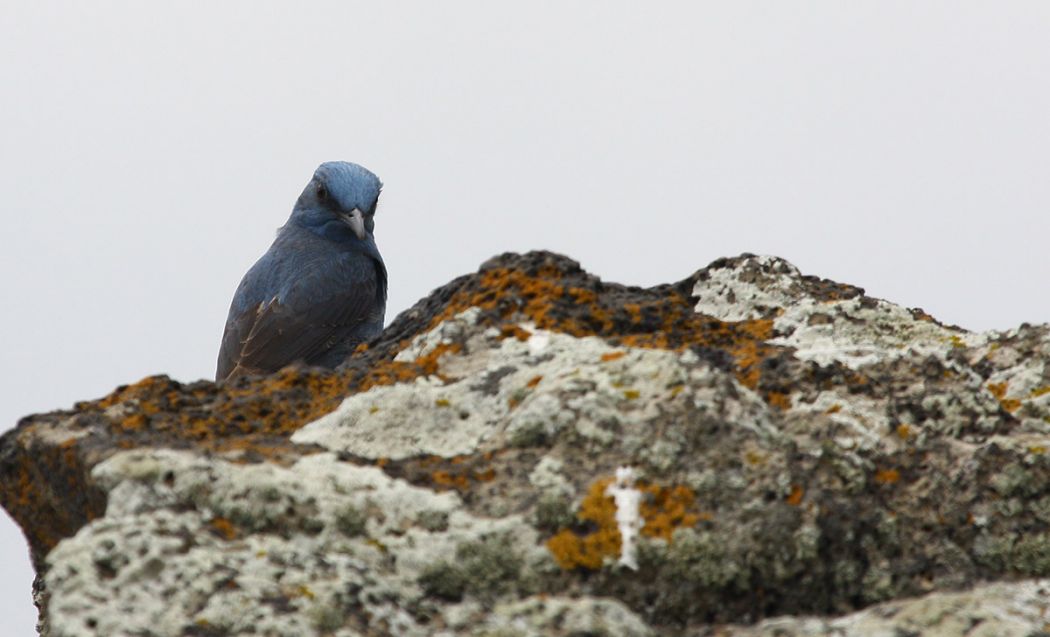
(148,153)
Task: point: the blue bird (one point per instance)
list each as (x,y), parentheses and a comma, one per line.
(320,290)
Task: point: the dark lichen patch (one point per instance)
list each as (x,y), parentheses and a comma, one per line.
(203,628)
(433,521)
(533,434)
(553,512)
(265,511)
(351,521)
(490,381)
(485,569)
(444,581)
(1031,555)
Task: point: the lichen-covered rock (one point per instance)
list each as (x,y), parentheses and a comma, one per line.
(1015,609)
(197,544)
(804,460)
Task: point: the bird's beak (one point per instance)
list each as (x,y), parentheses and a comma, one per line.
(356,221)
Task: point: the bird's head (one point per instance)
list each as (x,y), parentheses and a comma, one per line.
(339,203)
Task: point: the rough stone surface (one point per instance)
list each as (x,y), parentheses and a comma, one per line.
(1017,609)
(807,460)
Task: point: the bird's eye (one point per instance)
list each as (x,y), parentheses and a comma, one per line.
(322,192)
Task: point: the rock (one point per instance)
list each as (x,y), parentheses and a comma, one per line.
(785,455)
(1003,609)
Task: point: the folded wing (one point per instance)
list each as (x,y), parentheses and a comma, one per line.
(319,316)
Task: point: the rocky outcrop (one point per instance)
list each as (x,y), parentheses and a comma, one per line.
(532,451)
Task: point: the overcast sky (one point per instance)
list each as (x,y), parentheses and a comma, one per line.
(148,153)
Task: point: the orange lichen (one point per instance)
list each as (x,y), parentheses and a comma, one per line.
(663,510)
(253,415)
(518,332)
(834,409)
(1040,391)
(591,550)
(750,349)
(135,422)
(904,432)
(498,284)
(754,458)
(147,385)
(665,322)
(458,473)
(779,400)
(887,476)
(999,391)
(1010,404)
(795,497)
(429,362)
(535,380)
(611,356)
(666,509)
(223,528)
(450,480)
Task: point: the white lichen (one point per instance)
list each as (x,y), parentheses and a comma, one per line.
(447,332)
(748,291)
(856,332)
(531,391)
(194,541)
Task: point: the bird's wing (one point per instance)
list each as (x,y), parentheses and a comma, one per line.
(318,311)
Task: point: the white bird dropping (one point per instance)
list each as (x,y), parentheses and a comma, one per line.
(628,515)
